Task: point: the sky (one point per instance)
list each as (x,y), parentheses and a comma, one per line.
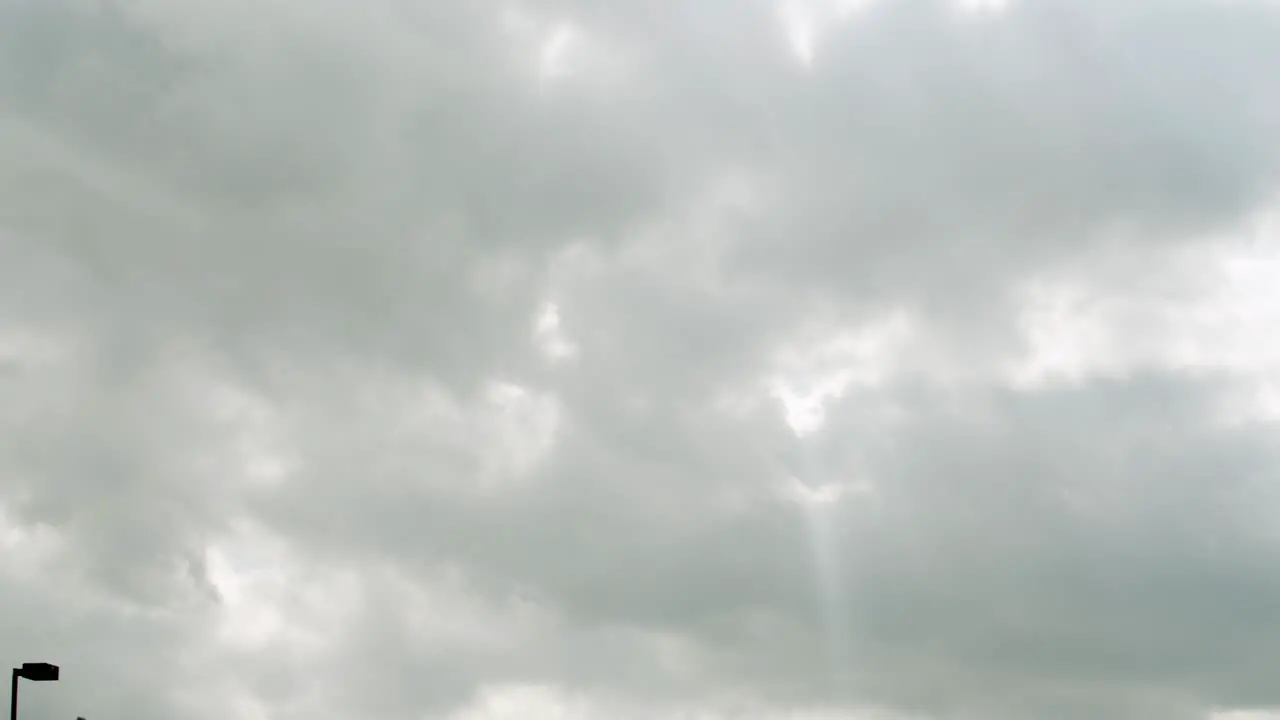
(634,359)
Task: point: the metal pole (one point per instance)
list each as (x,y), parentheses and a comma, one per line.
(13,697)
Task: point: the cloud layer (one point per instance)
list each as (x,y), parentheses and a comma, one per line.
(568,360)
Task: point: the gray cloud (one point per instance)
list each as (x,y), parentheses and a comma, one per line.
(282,437)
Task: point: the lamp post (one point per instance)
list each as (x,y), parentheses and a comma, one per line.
(35,672)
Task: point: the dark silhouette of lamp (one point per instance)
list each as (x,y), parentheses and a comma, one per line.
(35,672)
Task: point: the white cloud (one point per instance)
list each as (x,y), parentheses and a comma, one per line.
(522,701)
(817,371)
(549,335)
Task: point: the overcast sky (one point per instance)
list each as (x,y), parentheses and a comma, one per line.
(634,359)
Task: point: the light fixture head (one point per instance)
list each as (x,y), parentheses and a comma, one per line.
(38,671)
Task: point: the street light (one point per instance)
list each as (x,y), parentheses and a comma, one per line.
(36,672)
